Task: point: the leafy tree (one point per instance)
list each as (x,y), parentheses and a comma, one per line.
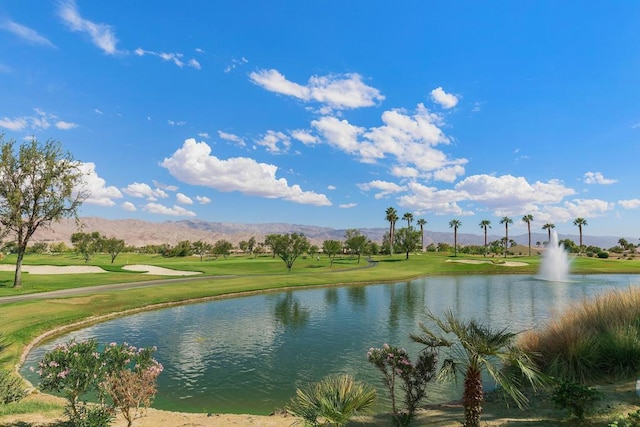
(528,218)
(269,240)
(313,250)
(474,348)
(222,247)
(455,224)
(86,244)
(182,249)
(38,248)
(506,221)
(251,244)
(39,184)
(408,240)
(548,226)
(288,247)
(355,242)
(580,222)
(421,222)
(331,248)
(391,215)
(59,248)
(201,248)
(484,224)
(113,247)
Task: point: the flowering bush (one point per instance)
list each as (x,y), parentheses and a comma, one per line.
(396,367)
(77,369)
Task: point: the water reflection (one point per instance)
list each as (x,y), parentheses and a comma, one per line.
(248,355)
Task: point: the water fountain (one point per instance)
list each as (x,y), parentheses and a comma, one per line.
(555,261)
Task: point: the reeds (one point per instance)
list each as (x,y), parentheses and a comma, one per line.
(593,339)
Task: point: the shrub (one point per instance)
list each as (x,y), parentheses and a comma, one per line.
(336,399)
(631,420)
(78,370)
(603,254)
(11,387)
(577,398)
(394,364)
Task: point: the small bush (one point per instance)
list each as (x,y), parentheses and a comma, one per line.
(631,420)
(336,399)
(603,254)
(577,398)
(11,387)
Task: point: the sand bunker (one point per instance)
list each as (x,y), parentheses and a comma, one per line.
(159,271)
(504,264)
(54,269)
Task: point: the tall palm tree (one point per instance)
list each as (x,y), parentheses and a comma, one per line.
(455,223)
(506,221)
(580,222)
(484,224)
(548,226)
(472,349)
(421,222)
(528,218)
(408,216)
(392,217)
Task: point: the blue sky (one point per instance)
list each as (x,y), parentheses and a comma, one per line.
(328,112)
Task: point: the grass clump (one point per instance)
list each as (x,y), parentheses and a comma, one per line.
(333,401)
(593,340)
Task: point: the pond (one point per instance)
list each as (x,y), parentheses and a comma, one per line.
(249,354)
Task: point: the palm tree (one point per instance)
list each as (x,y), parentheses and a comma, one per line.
(484,224)
(474,348)
(455,223)
(528,218)
(392,217)
(421,222)
(548,226)
(580,222)
(506,221)
(408,216)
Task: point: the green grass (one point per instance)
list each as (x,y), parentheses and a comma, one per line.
(593,340)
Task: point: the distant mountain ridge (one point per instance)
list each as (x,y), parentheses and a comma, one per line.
(139,232)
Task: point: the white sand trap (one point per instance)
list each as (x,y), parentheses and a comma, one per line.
(160,271)
(54,269)
(475,261)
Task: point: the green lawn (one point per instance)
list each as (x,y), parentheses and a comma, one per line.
(23,321)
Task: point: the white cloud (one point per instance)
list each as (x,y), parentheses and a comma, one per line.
(235,63)
(204,135)
(410,138)
(15,124)
(165,187)
(176,58)
(65,125)
(442,202)
(272,141)
(98,111)
(444,99)
(176,210)
(597,178)
(142,190)
(25,33)
(194,164)
(404,172)
(579,208)
(183,199)
(176,123)
(39,121)
(203,200)
(630,204)
(331,187)
(101,35)
(98,192)
(384,188)
(347,205)
(128,206)
(231,137)
(304,137)
(339,92)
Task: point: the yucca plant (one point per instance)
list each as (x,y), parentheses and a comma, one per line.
(333,401)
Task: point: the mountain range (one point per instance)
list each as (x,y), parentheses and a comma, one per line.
(139,233)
